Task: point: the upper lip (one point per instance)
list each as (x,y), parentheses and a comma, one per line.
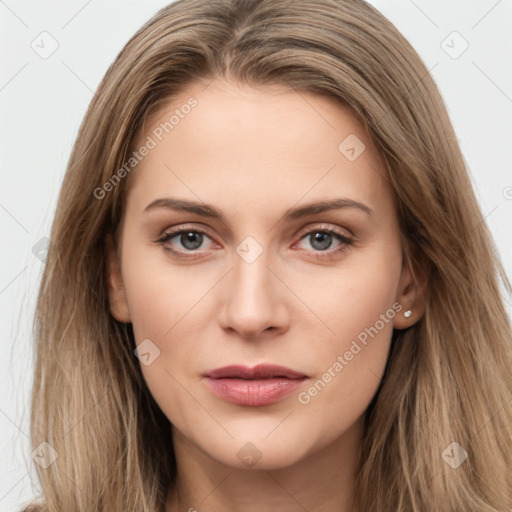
(261,371)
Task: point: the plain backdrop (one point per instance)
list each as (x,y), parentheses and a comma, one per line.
(466,45)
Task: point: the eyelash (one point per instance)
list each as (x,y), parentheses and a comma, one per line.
(345,242)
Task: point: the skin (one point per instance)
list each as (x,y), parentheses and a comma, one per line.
(254,153)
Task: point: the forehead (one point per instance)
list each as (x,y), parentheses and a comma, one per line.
(271,141)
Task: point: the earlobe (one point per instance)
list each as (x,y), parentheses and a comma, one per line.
(117,296)
(411,296)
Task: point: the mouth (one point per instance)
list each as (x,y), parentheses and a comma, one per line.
(257,386)
(262,371)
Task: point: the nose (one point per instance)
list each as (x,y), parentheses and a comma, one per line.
(255,300)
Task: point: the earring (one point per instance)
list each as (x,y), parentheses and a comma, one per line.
(407,313)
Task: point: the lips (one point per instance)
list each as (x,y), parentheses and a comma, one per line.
(262,371)
(261,385)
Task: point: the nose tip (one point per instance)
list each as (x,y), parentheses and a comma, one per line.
(253,333)
(254,306)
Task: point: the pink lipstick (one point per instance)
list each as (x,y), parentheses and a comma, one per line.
(261,385)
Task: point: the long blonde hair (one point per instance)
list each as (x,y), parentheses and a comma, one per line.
(448,378)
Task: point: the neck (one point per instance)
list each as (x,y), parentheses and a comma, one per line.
(323,481)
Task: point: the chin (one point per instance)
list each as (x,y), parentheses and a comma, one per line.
(258,453)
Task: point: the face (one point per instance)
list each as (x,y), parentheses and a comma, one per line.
(257,278)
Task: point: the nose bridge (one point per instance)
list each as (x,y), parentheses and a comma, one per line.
(251,273)
(251,277)
(252,303)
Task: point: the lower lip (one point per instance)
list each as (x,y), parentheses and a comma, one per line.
(253,392)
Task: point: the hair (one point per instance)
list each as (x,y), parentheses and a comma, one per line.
(447,377)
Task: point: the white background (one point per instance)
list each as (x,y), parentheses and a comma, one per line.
(42,102)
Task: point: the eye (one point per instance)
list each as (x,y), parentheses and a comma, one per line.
(191,241)
(321,239)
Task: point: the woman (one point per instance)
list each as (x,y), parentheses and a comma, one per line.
(270,285)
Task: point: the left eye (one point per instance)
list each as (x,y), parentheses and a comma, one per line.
(192,239)
(323,239)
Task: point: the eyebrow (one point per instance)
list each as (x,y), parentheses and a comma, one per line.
(206,210)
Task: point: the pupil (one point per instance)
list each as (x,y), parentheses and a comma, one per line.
(322,237)
(187,239)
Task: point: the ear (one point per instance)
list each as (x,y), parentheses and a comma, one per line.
(117,296)
(411,295)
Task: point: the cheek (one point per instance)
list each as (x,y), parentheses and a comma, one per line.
(165,301)
(161,294)
(351,297)
(350,361)
(161,299)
